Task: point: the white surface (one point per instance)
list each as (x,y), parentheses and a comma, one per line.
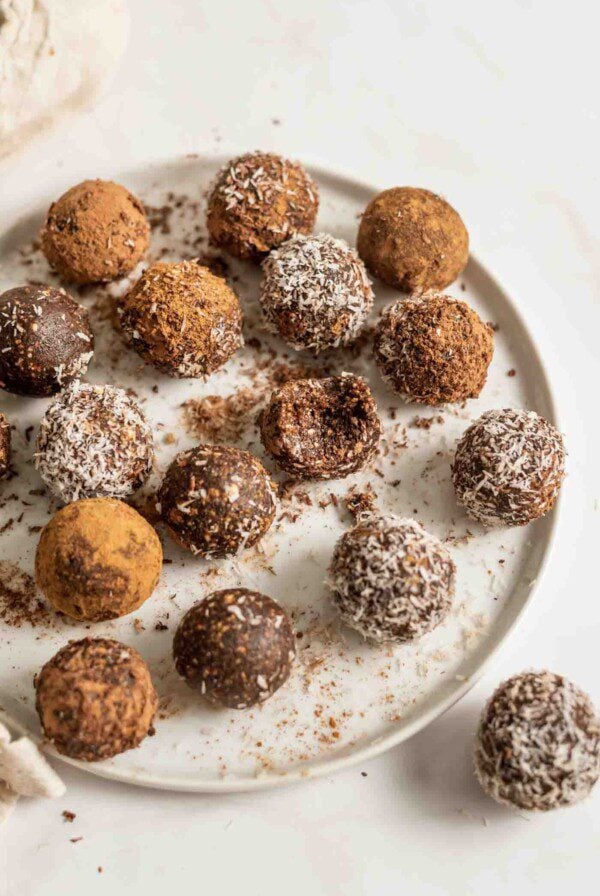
(497,111)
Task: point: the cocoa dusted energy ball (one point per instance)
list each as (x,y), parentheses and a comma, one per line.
(258,201)
(95,698)
(96,231)
(45,340)
(182,318)
(315,293)
(216,500)
(97,559)
(236,647)
(391,580)
(321,428)
(4,446)
(538,743)
(413,240)
(433,349)
(508,467)
(94,442)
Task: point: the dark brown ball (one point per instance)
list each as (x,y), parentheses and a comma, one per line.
(236,646)
(4,446)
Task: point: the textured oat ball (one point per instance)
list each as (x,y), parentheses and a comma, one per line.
(508,467)
(258,201)
(46,340)
(413,240)
(94,442)
(216,500)
(5,441)
(321,428)
(538,743)
(236,646)
(96,231)
(97,559)
(433,349)
(95,698)
(182,318)
(391,580)
(315,293)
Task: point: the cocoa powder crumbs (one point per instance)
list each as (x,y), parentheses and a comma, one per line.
(19,600)
(360,503)
(425,422)
(68,816)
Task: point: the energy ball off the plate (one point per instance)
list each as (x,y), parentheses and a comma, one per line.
(95,699)
(258,201)
(94,442)
(321,428)
(538,743)
(391,580)
(433,349)
(96,231)
(5,441)
(236,646)
(413,240)
(182,318)
(45,340)
(97,559)
(508,467)
(216,500)
(315,293)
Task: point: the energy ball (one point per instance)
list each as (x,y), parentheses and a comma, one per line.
(45,340)
(95,699)
(216,500)
(96,231)
(94,442)
(322,428)
(433,349)
(258,201)
(98,559)
(413,240)
(182,318)
(391,580)
(508,467)
(315,293)
(5,441)
(538,743)
(236,646)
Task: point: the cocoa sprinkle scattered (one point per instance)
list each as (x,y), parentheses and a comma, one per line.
(19,601)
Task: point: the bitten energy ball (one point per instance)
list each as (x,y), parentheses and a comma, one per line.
(433,349)
(95,698)
(45,340)
(4,446)
(538,743)
(508,467)
(321,429)
(236,647)
(258,201)
(182,319)
(96,231)
(98,559)
(315,293)
(413,240)
(216,500)
(391,580)
(94,442)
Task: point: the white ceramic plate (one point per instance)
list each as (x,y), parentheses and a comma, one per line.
(346,700)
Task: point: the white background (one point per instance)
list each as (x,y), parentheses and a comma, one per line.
(495,106)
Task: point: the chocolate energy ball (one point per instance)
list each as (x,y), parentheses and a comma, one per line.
(95,698)
(96,231)
(216,500)
(315,293)
(508,467)
(236,646)
(98,559)
(433,349)
(45,340)
(4,446)
(322,428)
(94,442)
(391,580)
(259,200)
(183,319)
(413,240)
(538,743)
